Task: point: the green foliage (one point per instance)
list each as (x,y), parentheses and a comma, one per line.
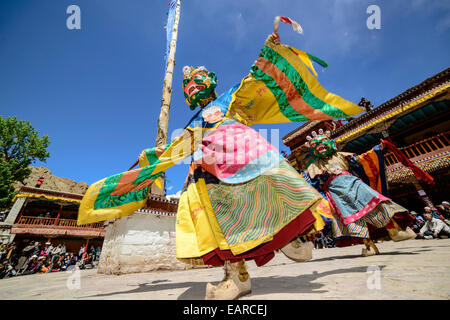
(20,146)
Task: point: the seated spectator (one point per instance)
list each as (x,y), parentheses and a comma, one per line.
(6,270)
(331,242)
(433,212)
(98,252)
(33,265)
(90,261)
(46,250)
(3,251)
(12,254)
(44,268)
(70,258)
(10,271)
(46,265)
(444,209)
(319,242)
(434,228)
(71,261)
(24,256)
(58,265)
(417,224)
(56,252)
(86,261)
(63,249)
(65,262)
(81,251)
(445,205)
(92,252)
(36,249)
(2,269)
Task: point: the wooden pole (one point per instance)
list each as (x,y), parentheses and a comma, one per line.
(59,214)
(86,248)
(163,121)
(134,165)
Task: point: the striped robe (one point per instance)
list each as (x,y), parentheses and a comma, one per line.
(241,199)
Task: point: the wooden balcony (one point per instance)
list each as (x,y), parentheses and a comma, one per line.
(70,223)
(57,227)
(421,150)
(432,155)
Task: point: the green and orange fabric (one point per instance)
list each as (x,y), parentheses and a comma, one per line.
(280,88)
(122,194)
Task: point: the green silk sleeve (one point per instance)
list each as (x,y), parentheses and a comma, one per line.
(122,194)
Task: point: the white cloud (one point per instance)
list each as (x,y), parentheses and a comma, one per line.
(174,196)
(240,30)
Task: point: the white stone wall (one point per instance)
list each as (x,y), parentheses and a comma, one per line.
(5,233)
(141,242)
(15,210)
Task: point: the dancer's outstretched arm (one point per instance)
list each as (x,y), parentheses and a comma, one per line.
(122,194)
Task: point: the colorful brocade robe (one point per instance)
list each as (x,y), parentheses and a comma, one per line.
(240,192)
(355,186)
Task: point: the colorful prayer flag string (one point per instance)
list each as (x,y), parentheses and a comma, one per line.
(295,25)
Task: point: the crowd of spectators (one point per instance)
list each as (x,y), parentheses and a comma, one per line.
(433,223)
(37,258)
(324,240)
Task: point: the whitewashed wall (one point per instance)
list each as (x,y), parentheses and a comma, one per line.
(141,242)
(5,233)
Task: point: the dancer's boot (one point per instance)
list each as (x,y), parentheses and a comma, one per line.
(397,234)
(235,284)
(298,250)
(370,249)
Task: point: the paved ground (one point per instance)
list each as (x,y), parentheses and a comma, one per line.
(415,269)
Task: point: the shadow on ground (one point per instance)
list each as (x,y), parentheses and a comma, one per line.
(353,256)
(260,285)
(425,247)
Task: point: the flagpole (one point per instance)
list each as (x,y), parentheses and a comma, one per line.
(163,120)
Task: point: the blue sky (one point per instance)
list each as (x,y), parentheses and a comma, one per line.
(96,92)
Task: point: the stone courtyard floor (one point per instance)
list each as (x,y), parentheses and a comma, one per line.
(415,269)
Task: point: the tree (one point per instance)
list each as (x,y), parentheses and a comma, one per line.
(20,146)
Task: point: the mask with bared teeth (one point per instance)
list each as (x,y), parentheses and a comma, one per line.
(198,86)
(320,145)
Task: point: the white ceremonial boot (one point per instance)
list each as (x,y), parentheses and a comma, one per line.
(370,249)
(298,251)
(400,235)
(235,284)
(369,252)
